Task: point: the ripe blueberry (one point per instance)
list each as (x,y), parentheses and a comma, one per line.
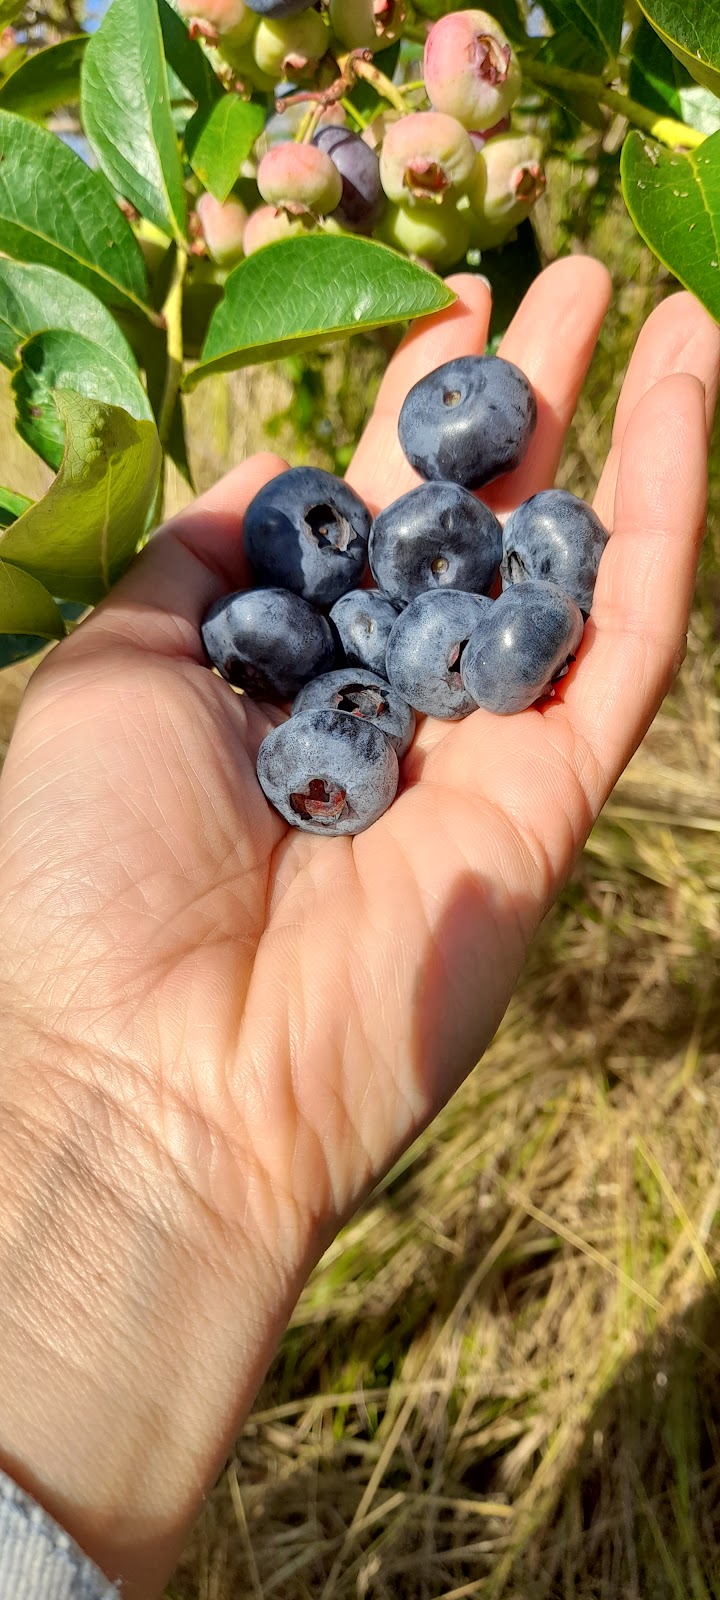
(436,537)
(361,694)
(359,168)
(425,651)
(328,773)
(521,647)
(308,531)
(557,537)
(469,420)
(267,641)
(363,619)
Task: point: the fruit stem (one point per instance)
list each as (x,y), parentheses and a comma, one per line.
(352,111)
(666,129)
(408,88)
(309,123)
(383,86)
(173,316)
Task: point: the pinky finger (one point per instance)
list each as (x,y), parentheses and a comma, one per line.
(635,638)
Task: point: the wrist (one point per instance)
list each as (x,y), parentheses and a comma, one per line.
(134,1331)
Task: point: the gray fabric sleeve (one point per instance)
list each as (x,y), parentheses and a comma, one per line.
(38,1560)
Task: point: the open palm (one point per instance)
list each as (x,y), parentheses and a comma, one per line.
(274,1014)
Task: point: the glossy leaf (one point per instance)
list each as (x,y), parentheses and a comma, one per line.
(33,298)
(16,647)
(219,138)
(26,606)
(660,82)
(674,201)
(691,29)
(9,10)
(55,211)
(11,507)
(186,59)
(600,21)
(303,292)
(45,80)
(569,49)
(59,359)
(81,536)
(127,113)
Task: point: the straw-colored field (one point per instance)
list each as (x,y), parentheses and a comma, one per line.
(504,1378)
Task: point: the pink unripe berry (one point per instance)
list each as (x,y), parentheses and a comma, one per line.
(436,234)
(219,19)
(223,227)
(291,47)
(267,225)
(470,70)
(367,24)
(507,182)
(300,176)
(425,156)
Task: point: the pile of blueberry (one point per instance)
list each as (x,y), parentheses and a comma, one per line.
(436,170)
(360,662)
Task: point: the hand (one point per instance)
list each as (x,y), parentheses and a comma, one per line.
(220,1033)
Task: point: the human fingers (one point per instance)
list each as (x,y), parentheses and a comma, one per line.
(678,336)
(635,637)
(552,338)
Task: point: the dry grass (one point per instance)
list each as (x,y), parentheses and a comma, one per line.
(504,1378)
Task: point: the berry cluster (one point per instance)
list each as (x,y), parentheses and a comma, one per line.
(429,638)
(435,183)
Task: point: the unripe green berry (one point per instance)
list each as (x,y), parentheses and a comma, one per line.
(426,156)
(227,20)
(507,181)
(291,47)
(438,234)
(223,227)
(470,69)
(367,24)
(300,176)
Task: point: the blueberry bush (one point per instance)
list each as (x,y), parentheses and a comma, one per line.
(254,178)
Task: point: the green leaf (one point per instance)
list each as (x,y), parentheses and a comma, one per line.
(48,79)
(127,113)
(691,29)
(33,298)
(19,646)
(81,536)
(9,10)
(600,21)
(59,359)
(674,201)
(55,211)
(26,606)
(303,292)
(11,507)
(660,82)
(219,138)
(186,59)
